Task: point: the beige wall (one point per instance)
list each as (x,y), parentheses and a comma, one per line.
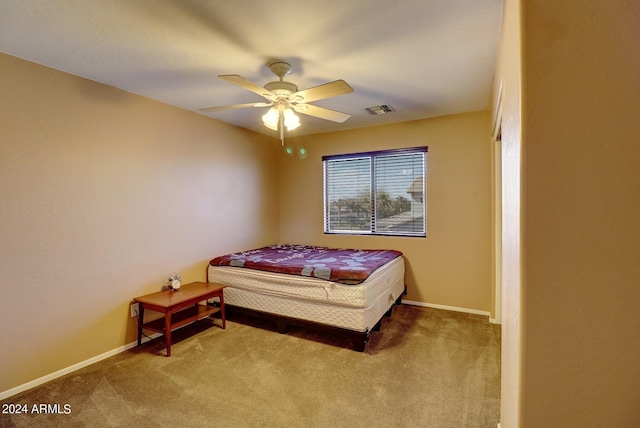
(452,266)
(577,349)
(582,213)
(103,194)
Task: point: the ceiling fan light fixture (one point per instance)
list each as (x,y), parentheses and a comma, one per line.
(291,121)
(271,118)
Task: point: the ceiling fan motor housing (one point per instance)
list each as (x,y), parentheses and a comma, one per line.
(281,88)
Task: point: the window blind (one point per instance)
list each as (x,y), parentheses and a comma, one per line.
(376,192)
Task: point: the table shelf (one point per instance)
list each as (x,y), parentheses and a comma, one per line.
(182,318)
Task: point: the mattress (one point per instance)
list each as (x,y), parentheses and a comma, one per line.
(387,277)
(354,307)
(344,265)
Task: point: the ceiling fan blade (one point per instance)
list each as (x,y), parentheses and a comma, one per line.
(321,112)
(212,109)
(321,92)
(249,85)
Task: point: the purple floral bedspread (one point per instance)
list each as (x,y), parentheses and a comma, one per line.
(347,266)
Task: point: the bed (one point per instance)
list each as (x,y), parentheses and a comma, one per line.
(346,291)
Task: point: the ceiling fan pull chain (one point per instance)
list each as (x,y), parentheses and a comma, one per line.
(281,126)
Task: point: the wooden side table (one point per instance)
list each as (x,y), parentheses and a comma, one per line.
(180,307)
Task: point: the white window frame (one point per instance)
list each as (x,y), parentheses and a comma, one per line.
(373,227)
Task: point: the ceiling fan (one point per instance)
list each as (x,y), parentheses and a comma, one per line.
(284,98)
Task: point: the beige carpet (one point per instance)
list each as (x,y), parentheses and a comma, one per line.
(425,368)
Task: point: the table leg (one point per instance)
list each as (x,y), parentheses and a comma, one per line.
(167,331)
(140,322)
(222,314)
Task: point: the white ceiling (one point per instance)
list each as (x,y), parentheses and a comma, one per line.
(425,58)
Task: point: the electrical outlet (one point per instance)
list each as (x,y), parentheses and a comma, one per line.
(134,310)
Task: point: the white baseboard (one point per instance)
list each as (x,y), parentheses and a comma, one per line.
(446,308)
(78,366)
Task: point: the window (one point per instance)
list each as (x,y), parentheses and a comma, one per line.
(377,193)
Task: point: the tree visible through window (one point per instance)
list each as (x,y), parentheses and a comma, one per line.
(382,193)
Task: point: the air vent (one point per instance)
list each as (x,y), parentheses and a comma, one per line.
(380,109)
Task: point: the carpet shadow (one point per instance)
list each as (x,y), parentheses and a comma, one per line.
(390,335)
